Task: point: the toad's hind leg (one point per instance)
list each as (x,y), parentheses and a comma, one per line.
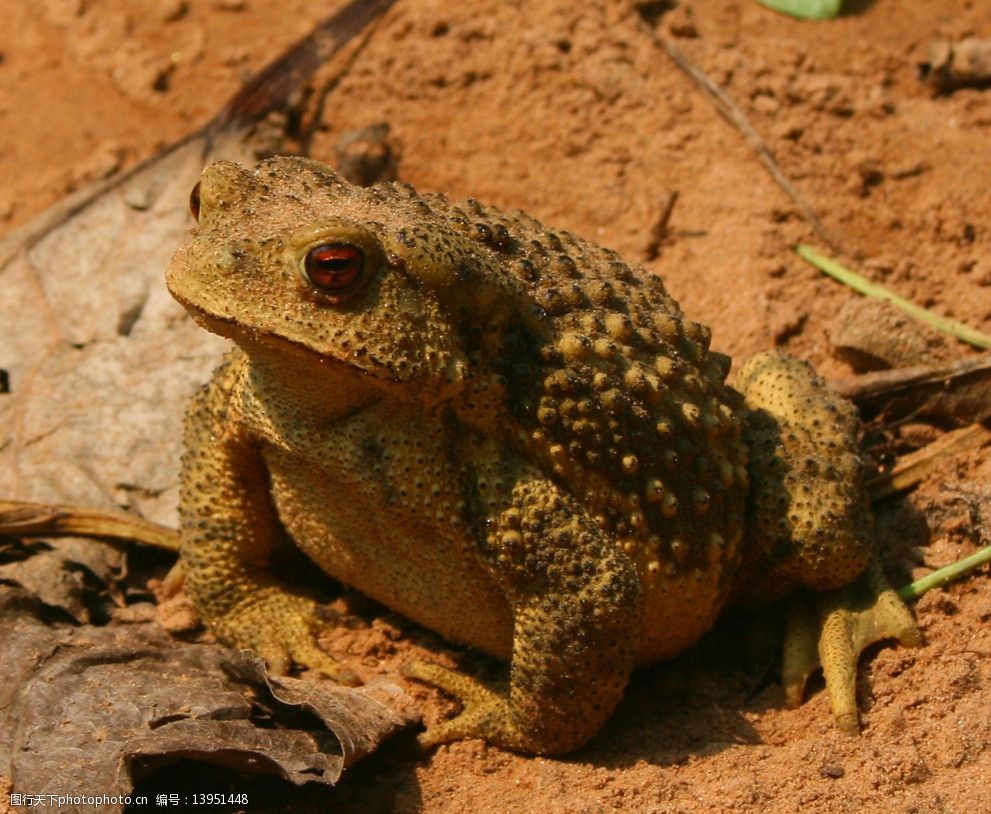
(810,526)
(576,606)
(832,629)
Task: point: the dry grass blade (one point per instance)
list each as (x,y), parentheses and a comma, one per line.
(23,519)
(913,469)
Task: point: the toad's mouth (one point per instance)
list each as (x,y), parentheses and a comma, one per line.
(251,339)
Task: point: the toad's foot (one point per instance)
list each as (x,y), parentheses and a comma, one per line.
(485,715)
(282,628)
(832,629)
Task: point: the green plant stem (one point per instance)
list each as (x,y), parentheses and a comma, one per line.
(945,575)
(866,287)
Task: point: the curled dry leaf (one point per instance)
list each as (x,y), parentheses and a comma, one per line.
(129,698)
(67,573)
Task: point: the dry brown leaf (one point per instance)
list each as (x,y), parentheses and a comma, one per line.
(67,573)
(86,707)
(100,359)
(99,362)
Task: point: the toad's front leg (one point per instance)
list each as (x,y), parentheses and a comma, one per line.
(229,531)
(575,597)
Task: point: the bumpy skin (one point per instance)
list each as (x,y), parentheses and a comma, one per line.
(808,522)
(499,430)
(809,525)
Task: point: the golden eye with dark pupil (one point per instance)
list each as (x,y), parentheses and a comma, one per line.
(333,266)
(194,201)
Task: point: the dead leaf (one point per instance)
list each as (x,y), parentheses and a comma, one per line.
(85,707)
(98,363)
(100,359)
(67,573)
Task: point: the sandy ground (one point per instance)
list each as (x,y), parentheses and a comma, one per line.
(572,112)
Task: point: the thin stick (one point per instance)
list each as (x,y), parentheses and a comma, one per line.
(943,576)
(868,386)
(729,110)
(866,287)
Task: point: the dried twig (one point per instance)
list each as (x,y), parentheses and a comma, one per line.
(732,113)
(870,386)
(270,88)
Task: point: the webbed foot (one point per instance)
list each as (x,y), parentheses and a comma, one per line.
(282,627)
(831,629)
(485,712)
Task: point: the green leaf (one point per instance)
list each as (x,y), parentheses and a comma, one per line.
(805,9)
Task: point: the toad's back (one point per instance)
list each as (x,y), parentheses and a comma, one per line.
(610,390)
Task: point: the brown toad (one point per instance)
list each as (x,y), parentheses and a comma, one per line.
(505,433)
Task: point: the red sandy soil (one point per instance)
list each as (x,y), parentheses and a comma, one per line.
(572,112)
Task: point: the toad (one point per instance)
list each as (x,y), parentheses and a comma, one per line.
(509,435)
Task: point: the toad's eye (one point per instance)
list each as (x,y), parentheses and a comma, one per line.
(333,267)
(194,201)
